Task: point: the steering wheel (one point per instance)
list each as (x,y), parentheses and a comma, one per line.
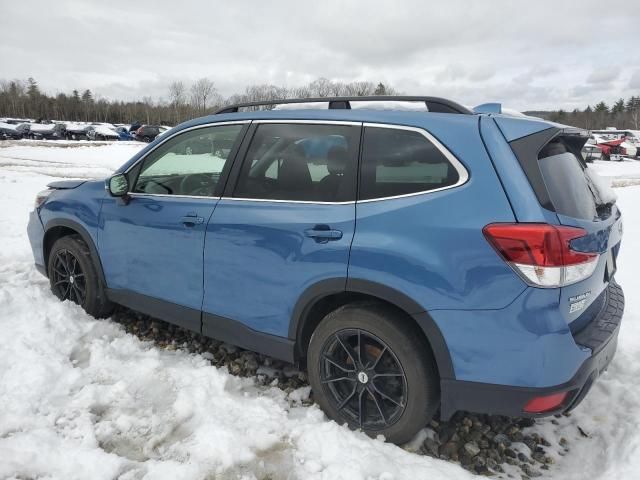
(197,184)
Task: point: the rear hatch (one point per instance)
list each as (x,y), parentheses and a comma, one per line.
(583,200)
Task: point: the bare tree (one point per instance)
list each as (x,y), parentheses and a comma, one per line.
(177,98)
(201,93)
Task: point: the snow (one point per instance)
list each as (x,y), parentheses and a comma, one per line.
(66,159)
(83,399)
(7,126)
(601,186)
(620,174)
(44,128)
(106,131)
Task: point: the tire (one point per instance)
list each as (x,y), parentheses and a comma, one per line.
(73,276)
(404,371)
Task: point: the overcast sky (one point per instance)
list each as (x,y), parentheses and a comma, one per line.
(547,54)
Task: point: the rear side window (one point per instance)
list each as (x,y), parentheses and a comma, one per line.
(399,162)
(566,182)
(300,162)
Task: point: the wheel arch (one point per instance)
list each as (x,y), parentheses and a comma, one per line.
(327,295)
(58,228)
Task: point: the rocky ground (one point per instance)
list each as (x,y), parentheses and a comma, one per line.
(482,444)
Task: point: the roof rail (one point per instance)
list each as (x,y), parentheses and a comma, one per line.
(434,104)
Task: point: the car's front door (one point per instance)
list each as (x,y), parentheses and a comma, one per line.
(151,246)
(286,226)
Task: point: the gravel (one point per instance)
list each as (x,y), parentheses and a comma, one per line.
(483,444)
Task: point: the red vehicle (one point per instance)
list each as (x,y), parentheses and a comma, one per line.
(612,147)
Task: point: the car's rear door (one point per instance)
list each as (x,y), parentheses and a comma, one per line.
(151,246)
(284,225)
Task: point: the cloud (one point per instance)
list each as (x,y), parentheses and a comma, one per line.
(634,81)
(469,51)
(604,75)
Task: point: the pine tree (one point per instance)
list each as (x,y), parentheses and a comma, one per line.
(618,107)
(601,108)
(32,89)
(380,89)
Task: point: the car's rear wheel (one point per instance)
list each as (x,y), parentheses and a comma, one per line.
(73,276)
(369,368)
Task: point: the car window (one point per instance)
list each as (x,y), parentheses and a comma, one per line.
(399,162)
(566,181)
(304,162)
(189,163)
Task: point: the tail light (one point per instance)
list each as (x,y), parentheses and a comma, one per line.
(541,253)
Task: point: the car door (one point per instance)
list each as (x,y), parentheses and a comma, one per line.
(151,244)
(285,227)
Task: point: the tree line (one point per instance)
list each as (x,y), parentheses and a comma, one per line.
(623,114)
(25,99)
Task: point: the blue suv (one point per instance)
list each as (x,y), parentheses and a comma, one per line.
(413,261)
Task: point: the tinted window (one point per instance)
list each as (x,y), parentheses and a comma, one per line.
(300,162)
(565,181)
(399,162)
(188,164)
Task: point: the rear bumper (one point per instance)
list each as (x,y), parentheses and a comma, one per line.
(600,336)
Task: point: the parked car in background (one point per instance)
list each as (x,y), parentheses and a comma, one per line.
(9,132)
(147,133)
(124,134)
(417,261)
(23,129)
(591,152)
(134,127)
(101,132)
(76,131)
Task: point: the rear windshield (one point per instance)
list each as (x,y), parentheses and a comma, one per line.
(565,179)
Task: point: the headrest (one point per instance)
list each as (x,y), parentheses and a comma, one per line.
(337,158)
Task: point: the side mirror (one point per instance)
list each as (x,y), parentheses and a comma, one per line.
(118,185)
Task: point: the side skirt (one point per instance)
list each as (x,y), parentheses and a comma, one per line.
(235,333)
(184,317)
(209,325)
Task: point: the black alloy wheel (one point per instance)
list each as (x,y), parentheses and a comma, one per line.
(363,378)
(68,278)
(74,275)
(371,367)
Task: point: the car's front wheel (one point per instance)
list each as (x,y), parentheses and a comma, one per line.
(369,367)
(73,276)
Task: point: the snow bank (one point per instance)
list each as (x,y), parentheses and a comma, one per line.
(620,174)
(67,159)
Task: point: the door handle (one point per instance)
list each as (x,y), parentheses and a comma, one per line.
(191,220)
(323,233)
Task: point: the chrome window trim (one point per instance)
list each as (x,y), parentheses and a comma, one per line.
(180,132)
(318,202)
(167,195)
(463,174)
(311,122)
